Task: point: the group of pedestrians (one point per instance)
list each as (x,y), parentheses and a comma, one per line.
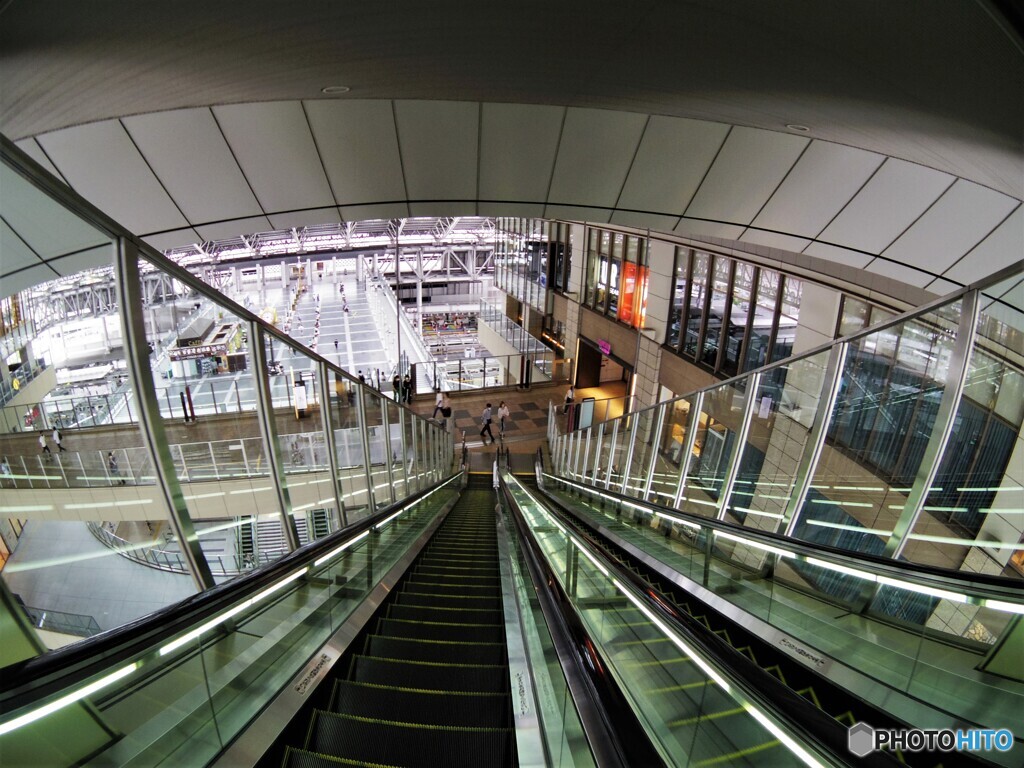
(402,387)
(57,438)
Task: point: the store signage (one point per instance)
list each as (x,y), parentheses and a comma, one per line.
(604,346)
(207,350)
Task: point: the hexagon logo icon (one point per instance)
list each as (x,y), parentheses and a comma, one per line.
(861,739)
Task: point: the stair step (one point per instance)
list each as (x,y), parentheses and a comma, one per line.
(442,630)
(402,744)
(437,613)
(301,758)
(424,707)
(473,678)
(424,598)
(435,650)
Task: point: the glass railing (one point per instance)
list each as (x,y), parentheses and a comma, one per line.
(694,711)
(896,441)
(886,631)
(473,373)
(218,396)
(557,718)
(179,689)
(510,331)
(24,375)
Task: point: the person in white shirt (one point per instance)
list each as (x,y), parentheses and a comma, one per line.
(502,415)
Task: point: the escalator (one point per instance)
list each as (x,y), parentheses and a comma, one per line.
(429,682)
(820,702)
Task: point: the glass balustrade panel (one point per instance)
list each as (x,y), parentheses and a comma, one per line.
(778,441)
(713,445)
(878,432)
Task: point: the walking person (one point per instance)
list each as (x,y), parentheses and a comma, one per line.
(57,440)
(502,415)
(438,402)
(446,412)
(43,445)
(486,421)
(335,345)
(115,471)
(570,396)
(396,385)
(407,388)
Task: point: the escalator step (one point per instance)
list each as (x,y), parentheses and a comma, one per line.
(435,650)
(473,678)
(437,613)
(301,758)
(423,584)
(442,630)
(402,744)
(425,707)
(426,599)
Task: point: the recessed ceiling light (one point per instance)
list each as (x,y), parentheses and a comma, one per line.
(334,90)
(792,127)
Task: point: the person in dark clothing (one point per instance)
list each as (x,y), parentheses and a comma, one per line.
(486,421)
(396,385)
(407,388)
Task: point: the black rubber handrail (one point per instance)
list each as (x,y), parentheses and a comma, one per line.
(616,737)
(990,586)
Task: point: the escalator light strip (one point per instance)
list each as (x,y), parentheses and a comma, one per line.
(189,636)
(754,544)
(782,736)
(677,641)
(384,522)
(589,556)
(71,698)
(941,593)
(676,520)
(841,569)
(999,605)
(331,555)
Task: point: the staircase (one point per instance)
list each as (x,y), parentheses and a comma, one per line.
(428,684)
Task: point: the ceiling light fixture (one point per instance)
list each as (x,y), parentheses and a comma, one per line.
(334,90)
(795,127)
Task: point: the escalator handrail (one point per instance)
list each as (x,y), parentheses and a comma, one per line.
(615,736)
(38,678)
(806,723)
(977,586)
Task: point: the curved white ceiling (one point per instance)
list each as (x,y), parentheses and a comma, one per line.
(200,121)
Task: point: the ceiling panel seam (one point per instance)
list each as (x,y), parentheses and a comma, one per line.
(32,250)
(156,176)
(910,226)
(629,170)
(768,199)
(479,150)
(846,205)
(46,154)
(554,162)
(982,240)
(241,170)
(999,299)
(401,160)
(703,178)
(320,158)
